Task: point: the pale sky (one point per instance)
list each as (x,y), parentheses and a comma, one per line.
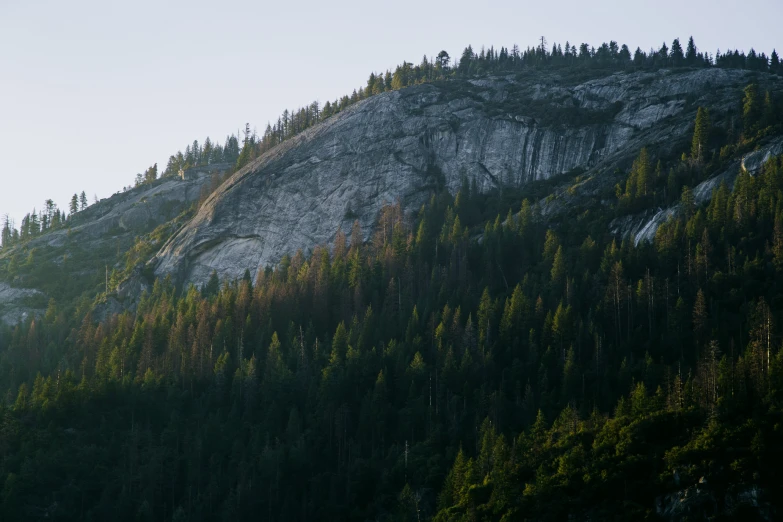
(94,91)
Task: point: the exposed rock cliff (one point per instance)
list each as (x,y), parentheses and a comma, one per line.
(17,304)
(133,212)
(95,239)
(402,145)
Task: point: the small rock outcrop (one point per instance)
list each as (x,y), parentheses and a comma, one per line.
(701,502)
(19,304)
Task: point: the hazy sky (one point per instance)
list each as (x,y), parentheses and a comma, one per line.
(92,92)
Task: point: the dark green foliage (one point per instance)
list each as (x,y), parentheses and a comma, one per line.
(639,185)
(751,108)
(471,361)
(701,134)
(573,381)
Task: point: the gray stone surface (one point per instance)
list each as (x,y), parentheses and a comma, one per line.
(14,305)
(133,212)
(201,171)
(400,145)
(114,220)
(755,160)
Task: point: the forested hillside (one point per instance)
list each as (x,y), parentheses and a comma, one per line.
(474,360)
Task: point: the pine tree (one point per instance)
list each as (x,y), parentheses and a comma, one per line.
(691,52)
(244,157)
(7,235)
(701,134)
(151,174)
(672,186)
(624,56)
(83,201)
(443,60)
(751,108)
(699,315)
(249,142)
(73,207)
(777,242)
(768,110)
(465,60)
(639,57)
(206,152)
(642,166)
(687,202)
(558,267)
(638,184)
(676,54)
(663,53)
(216,156)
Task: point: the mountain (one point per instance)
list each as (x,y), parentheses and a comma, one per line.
(496,132)
(578,130)
(547,288)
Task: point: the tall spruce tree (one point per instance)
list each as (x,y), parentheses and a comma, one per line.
(691,52)
(73,207)
(701,134)
(7,234)
(676,54)
(751,108)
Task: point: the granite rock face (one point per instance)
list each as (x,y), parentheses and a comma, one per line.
(15,305)
(402,145)
(133,212)
(113,221)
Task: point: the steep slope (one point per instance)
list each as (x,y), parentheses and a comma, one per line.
(73,260)
(402,145)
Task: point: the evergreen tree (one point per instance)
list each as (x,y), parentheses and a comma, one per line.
(676,54)
(701,134)
(151,174)
(751,108)
(663,54)
(691,52)
(465,59)
(687,202)
(73,207)
(6,236)
(443,60)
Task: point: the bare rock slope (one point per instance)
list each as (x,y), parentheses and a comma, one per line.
(94,240)
(501,131)
(14,304)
